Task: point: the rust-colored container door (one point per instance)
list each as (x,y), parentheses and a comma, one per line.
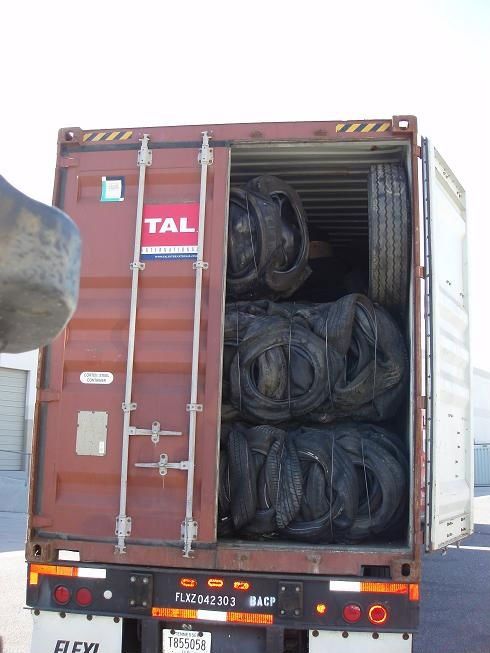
(80,425)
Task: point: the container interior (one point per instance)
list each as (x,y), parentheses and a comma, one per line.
(332,182)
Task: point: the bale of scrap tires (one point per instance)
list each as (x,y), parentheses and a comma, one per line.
(267,240)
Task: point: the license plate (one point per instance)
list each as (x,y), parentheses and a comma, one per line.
(179,641)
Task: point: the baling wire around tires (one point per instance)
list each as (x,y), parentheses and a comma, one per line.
(318,362)
(339,483)
(267,240)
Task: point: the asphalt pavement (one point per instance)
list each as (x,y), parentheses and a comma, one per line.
(455,605)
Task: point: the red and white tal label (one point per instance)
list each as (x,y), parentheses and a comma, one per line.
(169,231)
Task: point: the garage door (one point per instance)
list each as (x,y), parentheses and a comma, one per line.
(13,387)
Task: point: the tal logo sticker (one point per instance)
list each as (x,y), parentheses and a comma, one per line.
(169,231)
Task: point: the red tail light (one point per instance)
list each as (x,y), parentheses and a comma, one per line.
(378,615)
(61,594)
(83,597)
(351,613)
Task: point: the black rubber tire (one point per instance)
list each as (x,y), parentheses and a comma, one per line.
(367,454)
(261,233)
(269,334)
(288,278)
(243,480)
(290,486)
(389,237)
(224,485)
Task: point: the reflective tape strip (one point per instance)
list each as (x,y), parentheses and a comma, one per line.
(91,572)
(98,137)
(174,613)
(384,588)
(112,136)
(250,618)
(211,615)
(344,586)
(60,570)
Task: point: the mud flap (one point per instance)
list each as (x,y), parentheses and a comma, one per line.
(337,642)
(75,633)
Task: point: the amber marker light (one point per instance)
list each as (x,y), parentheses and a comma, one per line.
(321,608)
(414,592)
(215,582)
(188,583)
(241,585)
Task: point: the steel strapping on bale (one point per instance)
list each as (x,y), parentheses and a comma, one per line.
(107,136)
(362,127)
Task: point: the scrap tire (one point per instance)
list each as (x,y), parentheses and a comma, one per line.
(243,480)
(389,237)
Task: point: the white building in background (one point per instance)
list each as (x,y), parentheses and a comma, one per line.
(18,374)
(481,406)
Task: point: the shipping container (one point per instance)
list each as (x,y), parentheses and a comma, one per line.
(123,522)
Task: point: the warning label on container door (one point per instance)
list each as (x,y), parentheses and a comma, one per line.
(169,231)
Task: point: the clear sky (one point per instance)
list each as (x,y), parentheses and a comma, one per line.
(116,64)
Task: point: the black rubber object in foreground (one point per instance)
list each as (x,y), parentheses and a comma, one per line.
(39,270)
(389,237)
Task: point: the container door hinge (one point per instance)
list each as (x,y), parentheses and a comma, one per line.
(145,155)
(200,265)
(188,532)
(155,432)
(127,408)
(206,153)
(123,527)
(163,465)
(198,408)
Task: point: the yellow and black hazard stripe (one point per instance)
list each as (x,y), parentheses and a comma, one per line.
(363,127)
(98,137)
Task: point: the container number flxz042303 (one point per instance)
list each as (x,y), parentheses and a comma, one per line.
(180,641)
(218,600)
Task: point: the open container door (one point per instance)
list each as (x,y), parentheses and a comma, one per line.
(449,445)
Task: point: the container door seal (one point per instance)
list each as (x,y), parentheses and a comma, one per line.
(449,445)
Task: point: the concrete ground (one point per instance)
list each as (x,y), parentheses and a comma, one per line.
(13,491)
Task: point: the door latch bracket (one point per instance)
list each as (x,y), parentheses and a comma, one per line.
(155,432)
(163,465)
